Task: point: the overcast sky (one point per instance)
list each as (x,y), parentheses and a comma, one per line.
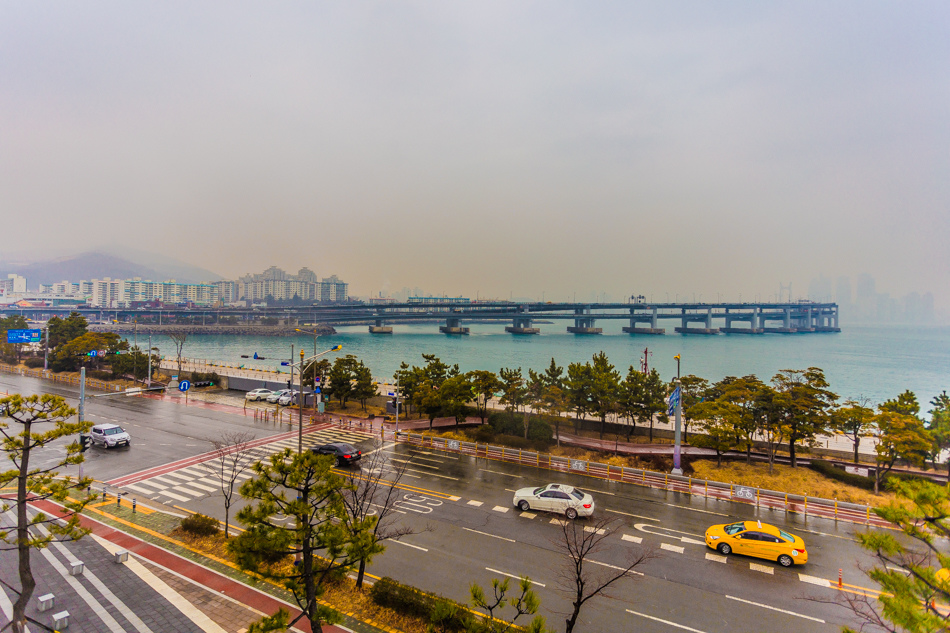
(488,148)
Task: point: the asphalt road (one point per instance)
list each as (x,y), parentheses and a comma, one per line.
(468,531)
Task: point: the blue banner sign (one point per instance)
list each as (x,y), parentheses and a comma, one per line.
(24,336)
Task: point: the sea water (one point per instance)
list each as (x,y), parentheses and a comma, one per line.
(877,362)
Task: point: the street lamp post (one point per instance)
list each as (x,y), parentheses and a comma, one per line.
(677,470)
(304,361)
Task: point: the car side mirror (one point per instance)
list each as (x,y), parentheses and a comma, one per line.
(737,536)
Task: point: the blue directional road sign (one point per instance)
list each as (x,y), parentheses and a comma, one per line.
(184,386)
(24,336)
(317,390)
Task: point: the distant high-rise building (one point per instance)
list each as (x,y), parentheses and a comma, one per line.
(819,289)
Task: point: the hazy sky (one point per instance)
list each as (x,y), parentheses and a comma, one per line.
(488,148)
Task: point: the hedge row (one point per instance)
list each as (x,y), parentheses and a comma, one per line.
(444,614)
(867,483)
(506,423)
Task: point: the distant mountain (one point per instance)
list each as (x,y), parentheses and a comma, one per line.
(97,265)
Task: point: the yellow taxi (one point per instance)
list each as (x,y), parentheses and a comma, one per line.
(754,538)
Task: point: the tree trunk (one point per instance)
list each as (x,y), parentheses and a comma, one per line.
(603,425)
(360,574)
(227,508)
(791,453)
(27,582)
(718,458)
(857,443)
(651,429)
(525,421)
(748,453)
(557,434)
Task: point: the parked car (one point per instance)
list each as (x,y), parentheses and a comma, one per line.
(109,435)
(257,394)
(566,500)
(275,395)
(754,538)
(343,453)
(289,397)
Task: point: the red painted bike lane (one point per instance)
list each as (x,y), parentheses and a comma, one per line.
(205,577)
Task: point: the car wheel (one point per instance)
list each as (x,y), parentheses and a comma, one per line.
(725,548)
(785,560)
(570,513)
(523,506)
(336,461)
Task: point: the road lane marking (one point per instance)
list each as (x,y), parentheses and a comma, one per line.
(765,569)
(558,521)
(720,514)
(186,491)
(495,571)
(195,484)
(591,529)
(716,557)
(173,495)
(410,545)
(765,606)
(814,580)
(510,540)
(692,541)
(667,622)
(898,569)
(407,461)
(597,562)
(825,534)
(528,515)
(475,503)
(635,539)
(500,509)
(143,491)
(498,472)
(672,548)
(636,516)
(428,459)
(430,474)
(454,498)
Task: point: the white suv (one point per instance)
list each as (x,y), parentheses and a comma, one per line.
(257,394)
(109,435)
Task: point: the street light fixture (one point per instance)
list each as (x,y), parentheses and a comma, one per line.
(301,364)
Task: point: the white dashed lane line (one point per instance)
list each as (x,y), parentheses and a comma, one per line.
(681,627)
(672,548)
(716,557)
(510,540)
(528,515)
(475,503)
(631,571)
(627,514)
(485,470)
(634,539)
(765,606)
(500,509)
(410,545)
(765,569)
(495,571)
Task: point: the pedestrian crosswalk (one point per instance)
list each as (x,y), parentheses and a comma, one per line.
(203,479)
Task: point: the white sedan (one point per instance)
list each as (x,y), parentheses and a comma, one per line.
(560,498)
(257,394)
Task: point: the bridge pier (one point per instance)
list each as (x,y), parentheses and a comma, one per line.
(651,319)
(453,326)
(379,328)
(705,320)
(522,325)
(751,318)
(583,324)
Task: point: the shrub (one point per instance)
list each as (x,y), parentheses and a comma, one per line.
(33,362)
(505,423)
(446,614)
(200,525)
(200,377)
(99,374)
(838,474)
(484,434)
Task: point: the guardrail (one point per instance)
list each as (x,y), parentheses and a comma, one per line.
(708,489)
(46,374)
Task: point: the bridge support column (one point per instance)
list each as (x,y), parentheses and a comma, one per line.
(634,320)
(453,326)
(584,325)
(379,328)
(522,325)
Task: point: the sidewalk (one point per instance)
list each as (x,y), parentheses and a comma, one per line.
(230,604)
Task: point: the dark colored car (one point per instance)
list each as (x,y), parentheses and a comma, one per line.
(344,453)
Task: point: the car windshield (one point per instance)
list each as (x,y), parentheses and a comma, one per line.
(114,430)
(578,494)
(785,535)
(538,491)
(734,528)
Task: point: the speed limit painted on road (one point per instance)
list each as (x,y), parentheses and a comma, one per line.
(184,386)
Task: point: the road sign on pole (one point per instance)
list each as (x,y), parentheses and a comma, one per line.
(184,386)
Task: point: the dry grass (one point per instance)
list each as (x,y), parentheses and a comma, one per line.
(342,595)
(799,481)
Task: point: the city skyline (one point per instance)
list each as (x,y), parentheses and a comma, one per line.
(494,149)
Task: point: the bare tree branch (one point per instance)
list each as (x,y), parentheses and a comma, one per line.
(232,453)
(580,577)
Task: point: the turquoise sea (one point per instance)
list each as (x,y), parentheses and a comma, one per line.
(874,361)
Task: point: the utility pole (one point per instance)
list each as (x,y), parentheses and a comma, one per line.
(46,350)
(82,403)
(148,381)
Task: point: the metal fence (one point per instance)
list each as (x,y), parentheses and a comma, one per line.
(46,374)
(708,489)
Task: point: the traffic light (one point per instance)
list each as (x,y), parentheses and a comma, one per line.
(84,442)
(203,383)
